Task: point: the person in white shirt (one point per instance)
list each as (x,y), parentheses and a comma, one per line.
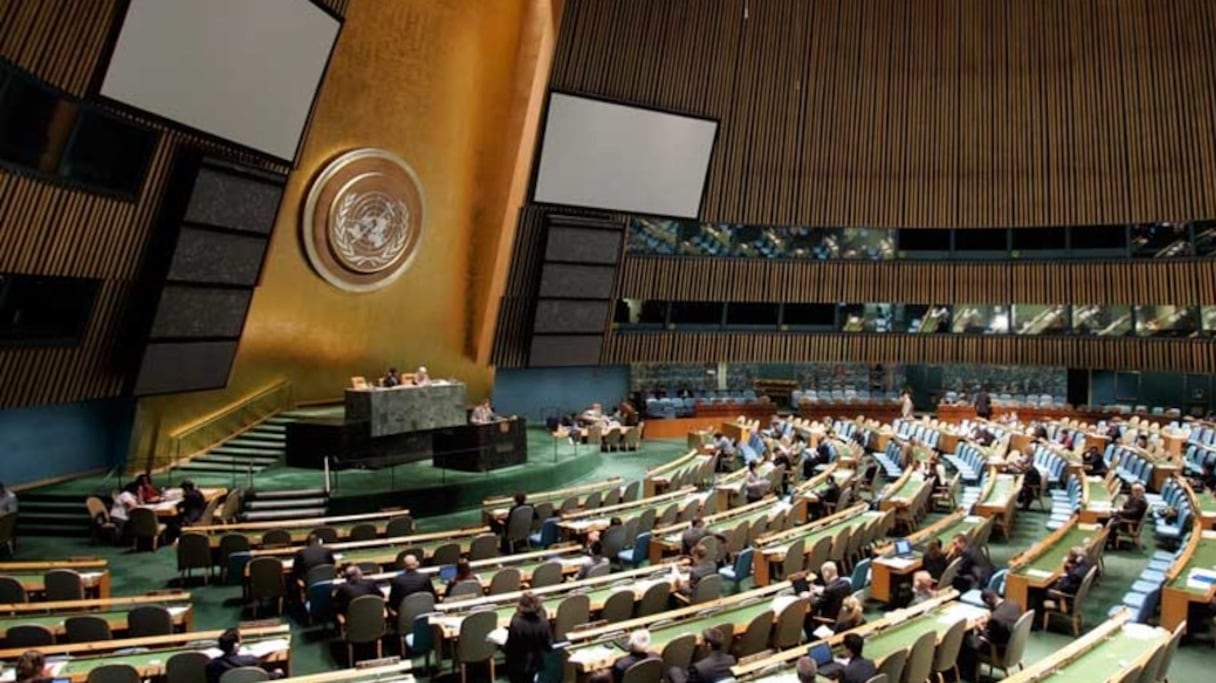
(593,415)
(905,404)
(421,378)
(124,502)
(8,501)
(483,413)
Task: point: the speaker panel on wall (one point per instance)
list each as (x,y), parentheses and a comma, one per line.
(566,281)
(565,350)
(184,366)
(234,198)
(583,245)
(200,312)
(214,257)
(566,316)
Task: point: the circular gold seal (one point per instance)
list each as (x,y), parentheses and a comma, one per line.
(363,219)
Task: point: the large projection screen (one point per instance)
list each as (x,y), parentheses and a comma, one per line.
(602,155)
(243,70)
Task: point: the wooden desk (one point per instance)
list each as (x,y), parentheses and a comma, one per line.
(498,507)
(999,501)
(886,574)
(666,541)
(1105,653)
(1178,596)
(658,477)
(93,572)
(298,528)
(1097,504)
(167,508)
(771,549)
(579,525)
(1040,565)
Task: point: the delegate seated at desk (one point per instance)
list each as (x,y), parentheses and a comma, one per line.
(421,378)
(483,413)
(391,379)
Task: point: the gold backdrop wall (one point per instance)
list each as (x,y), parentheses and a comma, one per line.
(434,81)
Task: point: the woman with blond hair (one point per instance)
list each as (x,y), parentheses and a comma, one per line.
(850,615)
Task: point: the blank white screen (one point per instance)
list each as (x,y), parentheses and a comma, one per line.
(611,156)
(244,70)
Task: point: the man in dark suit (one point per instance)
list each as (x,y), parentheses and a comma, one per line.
(994,631)
(693,534)
(826,605)
(408,582)
(983,404)
(1128,516)
(858,669)
(711,668)
(975,568)
(702,566)
(230,644)
(354,587)
(312,555)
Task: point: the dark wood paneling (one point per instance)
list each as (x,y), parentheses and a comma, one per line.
(963,113)
(1183,282)
(1167,355)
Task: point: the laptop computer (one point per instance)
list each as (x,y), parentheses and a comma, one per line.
(903,548)
(821,653)
(801,585)
(447,572)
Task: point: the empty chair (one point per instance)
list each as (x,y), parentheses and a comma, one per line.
(573,611)
(892,666)
(593,500)
(946,657)
(645,671)
(365,531)
(276,538)
(29,635)
(679,651)
(194,552)
(266,583)
(421,638)
(465,590)
(920,659)
(795,557)
(142,524)
(245,674)
(473,645)
(741,570)
(448,553)
(399,526)
(328,534)
(612,542)
(618,606)
(187,667)
(505,580)
(101,525)
(229,545)
(787,631)
(63,584)
(149,620)
(114,673)
(755,638)
(86,629)
(411,607)
(483,547)
(639,553)
(364,624)
(654,600)
(547,574)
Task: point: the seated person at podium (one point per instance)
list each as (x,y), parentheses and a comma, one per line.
(483,413)
(1093,462)
(391,379)
(593,415)
(421,378)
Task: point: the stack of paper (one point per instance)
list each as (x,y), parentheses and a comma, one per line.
(263,648)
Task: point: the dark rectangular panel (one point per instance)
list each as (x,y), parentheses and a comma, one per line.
(561,281)
(43,310)
(200,312)
(235,201)
(565,350)
(570,315)
(193,366)
(208,256)
(583,245)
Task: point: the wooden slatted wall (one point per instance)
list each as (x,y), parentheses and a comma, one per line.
(52,229)
(1167,355)
(958,113)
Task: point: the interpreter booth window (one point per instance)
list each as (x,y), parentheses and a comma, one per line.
(1039,243)
(809,317)
(753,316)
(803,242)
(704,239)
(696,315)
(640,314)
(1036,319)
(1160,240)
(1167,321)
(933,319)
(870,318)
(980,319)
(860,244)
(1204,237)
(1208,318)
(654,236)
(751,241)
(1102,321)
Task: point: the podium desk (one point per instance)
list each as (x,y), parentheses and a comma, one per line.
(408,408)
(481,447)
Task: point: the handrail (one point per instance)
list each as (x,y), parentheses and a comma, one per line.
(202,434)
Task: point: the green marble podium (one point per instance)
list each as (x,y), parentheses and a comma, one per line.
(408,409)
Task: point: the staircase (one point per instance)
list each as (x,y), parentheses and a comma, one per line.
(265,506)
(52,514)
(262,446)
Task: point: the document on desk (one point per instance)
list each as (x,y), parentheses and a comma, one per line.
(595,653)
(1038,574)
(263,648)
(896,562)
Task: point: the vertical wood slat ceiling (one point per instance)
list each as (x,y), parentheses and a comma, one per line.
(960,113)
(52,229)
(1167,355)
(1179,283)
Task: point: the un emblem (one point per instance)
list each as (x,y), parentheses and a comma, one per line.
(363,220)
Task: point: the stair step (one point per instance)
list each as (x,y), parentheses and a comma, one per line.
(270,428)
(286,503)
(247,450)
(78,516)
(282,419)
(28,529)
(286,493)
(270,515)
(261,438)
(217,468)
(32,507)
(240,460)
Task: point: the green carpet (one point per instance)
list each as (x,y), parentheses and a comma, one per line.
(219,606)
